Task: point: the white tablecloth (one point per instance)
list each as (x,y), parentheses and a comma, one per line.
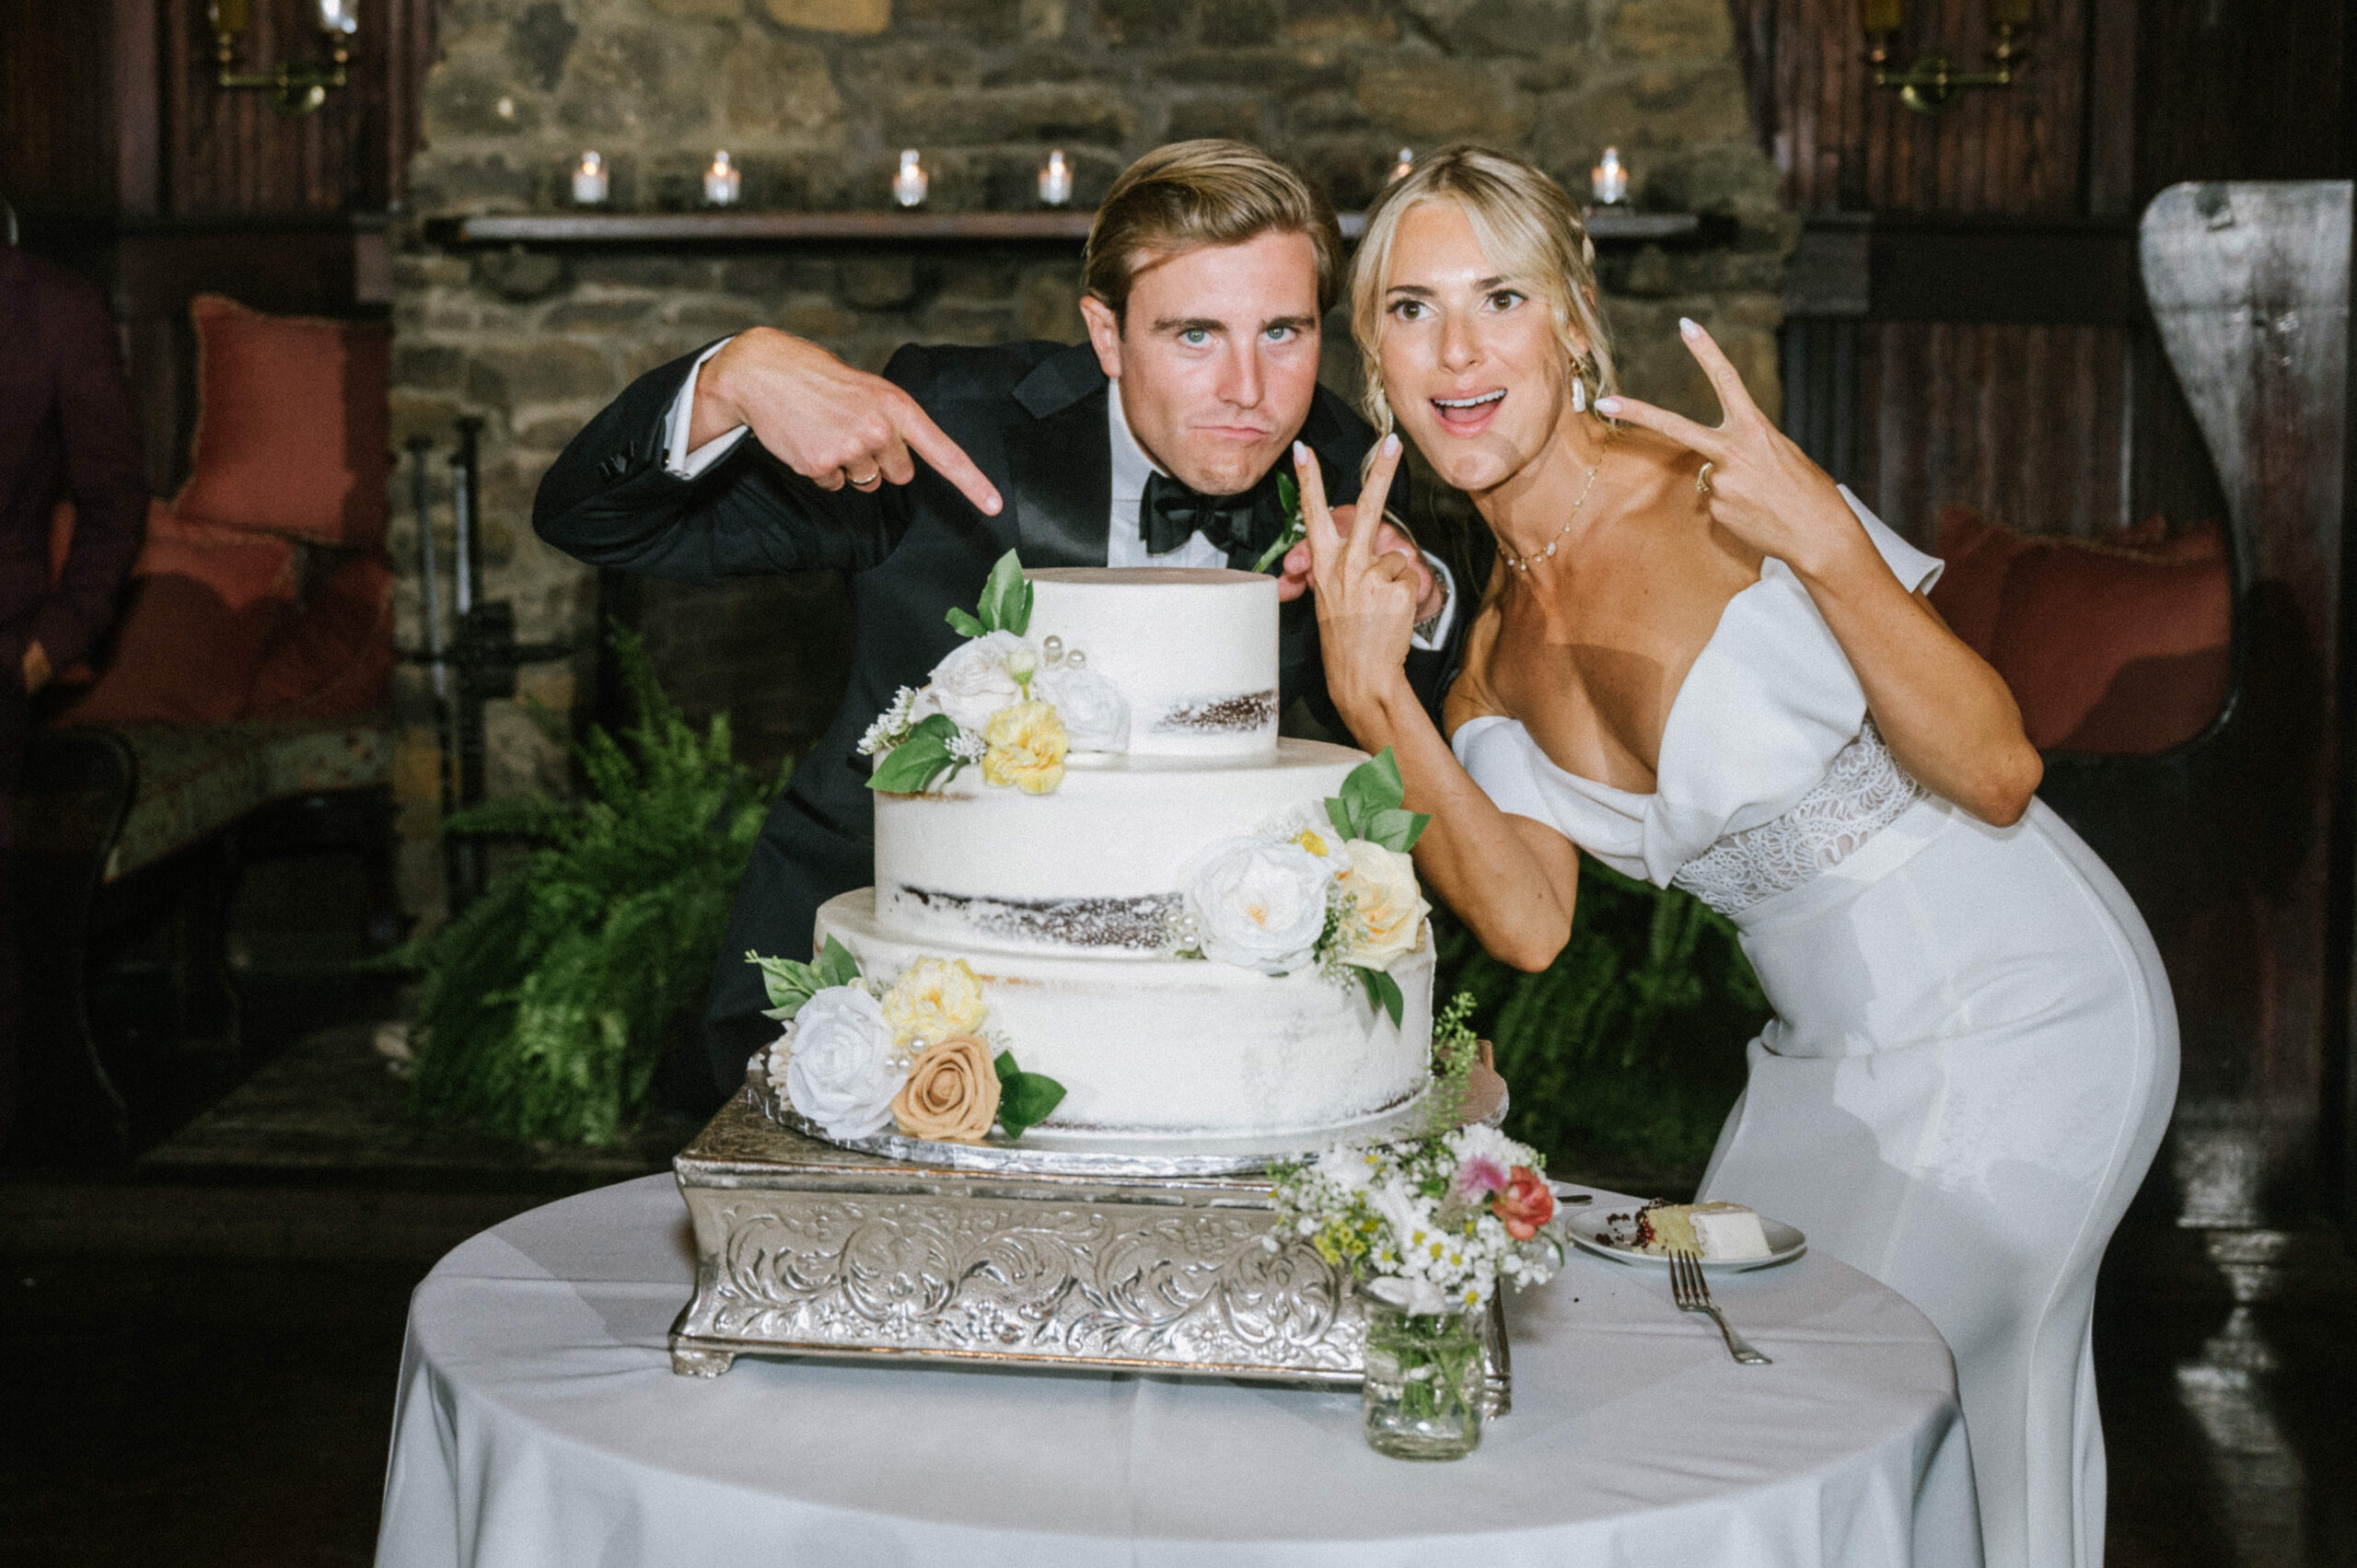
(540,1422)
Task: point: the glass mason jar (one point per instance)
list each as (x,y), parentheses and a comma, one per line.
(1425,1384)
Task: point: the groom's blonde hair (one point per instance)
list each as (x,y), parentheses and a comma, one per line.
(1529,229)
(1209,191)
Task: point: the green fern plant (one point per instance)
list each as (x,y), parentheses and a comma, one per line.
(546,1004)
(1625,1054)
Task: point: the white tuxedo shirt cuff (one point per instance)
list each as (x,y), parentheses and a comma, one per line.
(677,459)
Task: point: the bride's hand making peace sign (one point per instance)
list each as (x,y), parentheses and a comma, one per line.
(1366,602)
(1759,485)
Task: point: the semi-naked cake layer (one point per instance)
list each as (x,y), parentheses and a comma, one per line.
(1178,1047)
(1192,651)
(1094,867)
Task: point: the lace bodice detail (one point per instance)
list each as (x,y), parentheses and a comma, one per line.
(1864,791)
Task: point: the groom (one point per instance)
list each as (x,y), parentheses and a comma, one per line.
(1159,442)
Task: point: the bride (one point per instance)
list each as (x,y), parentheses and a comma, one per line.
(1703,663)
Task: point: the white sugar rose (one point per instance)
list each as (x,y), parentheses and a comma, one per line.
(838,1071)
(1258,905)
(974,683)
(1386,908)
(1096,717)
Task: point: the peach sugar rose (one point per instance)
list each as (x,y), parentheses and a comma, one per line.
(952,1092)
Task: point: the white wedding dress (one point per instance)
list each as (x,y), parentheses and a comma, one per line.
(1974,1051)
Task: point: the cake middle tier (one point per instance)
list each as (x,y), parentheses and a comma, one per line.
(1178,1046)
(1095,866)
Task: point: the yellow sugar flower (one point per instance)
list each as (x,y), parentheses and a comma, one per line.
(1307,838)
(934,999)
(1027,748)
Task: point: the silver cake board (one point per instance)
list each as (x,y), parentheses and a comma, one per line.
(805,1249)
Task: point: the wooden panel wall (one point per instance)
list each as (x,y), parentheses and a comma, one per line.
(2026,423)
(234,152)
(1842,144)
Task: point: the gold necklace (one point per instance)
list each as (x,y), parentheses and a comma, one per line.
(1522,563)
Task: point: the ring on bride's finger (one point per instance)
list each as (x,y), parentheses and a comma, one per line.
(871,479)
(1702,478)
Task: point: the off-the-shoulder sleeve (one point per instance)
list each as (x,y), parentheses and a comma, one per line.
(1493,752)
(1913,568)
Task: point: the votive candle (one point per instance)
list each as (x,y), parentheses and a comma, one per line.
(1055,180)
(909,185)
(722,181)
(589,181)
(1608,181)
(1402,165)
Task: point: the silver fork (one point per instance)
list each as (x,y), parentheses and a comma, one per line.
(1692,1290)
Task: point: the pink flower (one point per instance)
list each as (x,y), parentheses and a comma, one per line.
(1526,1204)
(1479,1176)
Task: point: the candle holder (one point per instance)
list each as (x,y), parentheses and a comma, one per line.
(1055,180)
(723,182)
(590,182)
(1931,84)
(910,184)
(295,90)
(1608,181)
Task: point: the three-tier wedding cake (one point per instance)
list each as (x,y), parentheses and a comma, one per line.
(1094,856)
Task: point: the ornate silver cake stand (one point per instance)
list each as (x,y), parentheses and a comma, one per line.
(805,1248)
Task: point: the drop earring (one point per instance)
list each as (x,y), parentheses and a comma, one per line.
(1579,392)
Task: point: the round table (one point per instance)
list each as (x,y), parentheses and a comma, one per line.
(540,1422)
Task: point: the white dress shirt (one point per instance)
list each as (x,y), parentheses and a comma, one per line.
(1124,542)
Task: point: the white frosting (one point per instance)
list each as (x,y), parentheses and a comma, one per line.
(1728,1232)
(1192,651)
(1085,867)
(1177,1046)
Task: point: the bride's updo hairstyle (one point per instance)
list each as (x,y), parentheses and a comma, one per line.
(1527,227)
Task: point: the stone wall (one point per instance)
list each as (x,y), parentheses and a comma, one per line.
(813,99)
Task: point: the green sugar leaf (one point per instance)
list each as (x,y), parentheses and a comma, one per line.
(1339,812)
(1025,1099)
(1397,829)
(1007,598)
(836,966)
(789,985)
(962,624)
(912,766)
(1382,992)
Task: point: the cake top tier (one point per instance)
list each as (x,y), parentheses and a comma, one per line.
(1193,652)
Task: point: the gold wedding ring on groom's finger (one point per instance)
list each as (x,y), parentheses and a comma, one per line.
(1702,478)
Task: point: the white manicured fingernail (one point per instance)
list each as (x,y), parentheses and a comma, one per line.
(1300,452)
(1608,405)
(1391,445)
(1688,327)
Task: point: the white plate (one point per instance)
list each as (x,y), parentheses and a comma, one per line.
(1611,1233)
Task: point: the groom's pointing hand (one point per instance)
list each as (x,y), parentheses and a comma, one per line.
(828,423)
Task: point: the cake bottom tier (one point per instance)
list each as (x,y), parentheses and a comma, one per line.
(1177,1046)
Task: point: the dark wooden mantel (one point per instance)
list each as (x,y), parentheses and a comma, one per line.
(591,229)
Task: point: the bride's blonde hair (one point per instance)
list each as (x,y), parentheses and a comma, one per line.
(1528,227)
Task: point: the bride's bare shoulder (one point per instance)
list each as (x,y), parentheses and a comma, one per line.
(1653,464)
(1472,696)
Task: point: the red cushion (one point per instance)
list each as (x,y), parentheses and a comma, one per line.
(205,603)
(336,658)
(2120,645)
(1979,555)
(292,430)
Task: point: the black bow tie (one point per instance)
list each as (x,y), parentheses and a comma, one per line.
(1168,512)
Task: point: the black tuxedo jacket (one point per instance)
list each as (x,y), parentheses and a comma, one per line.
(1030,415)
